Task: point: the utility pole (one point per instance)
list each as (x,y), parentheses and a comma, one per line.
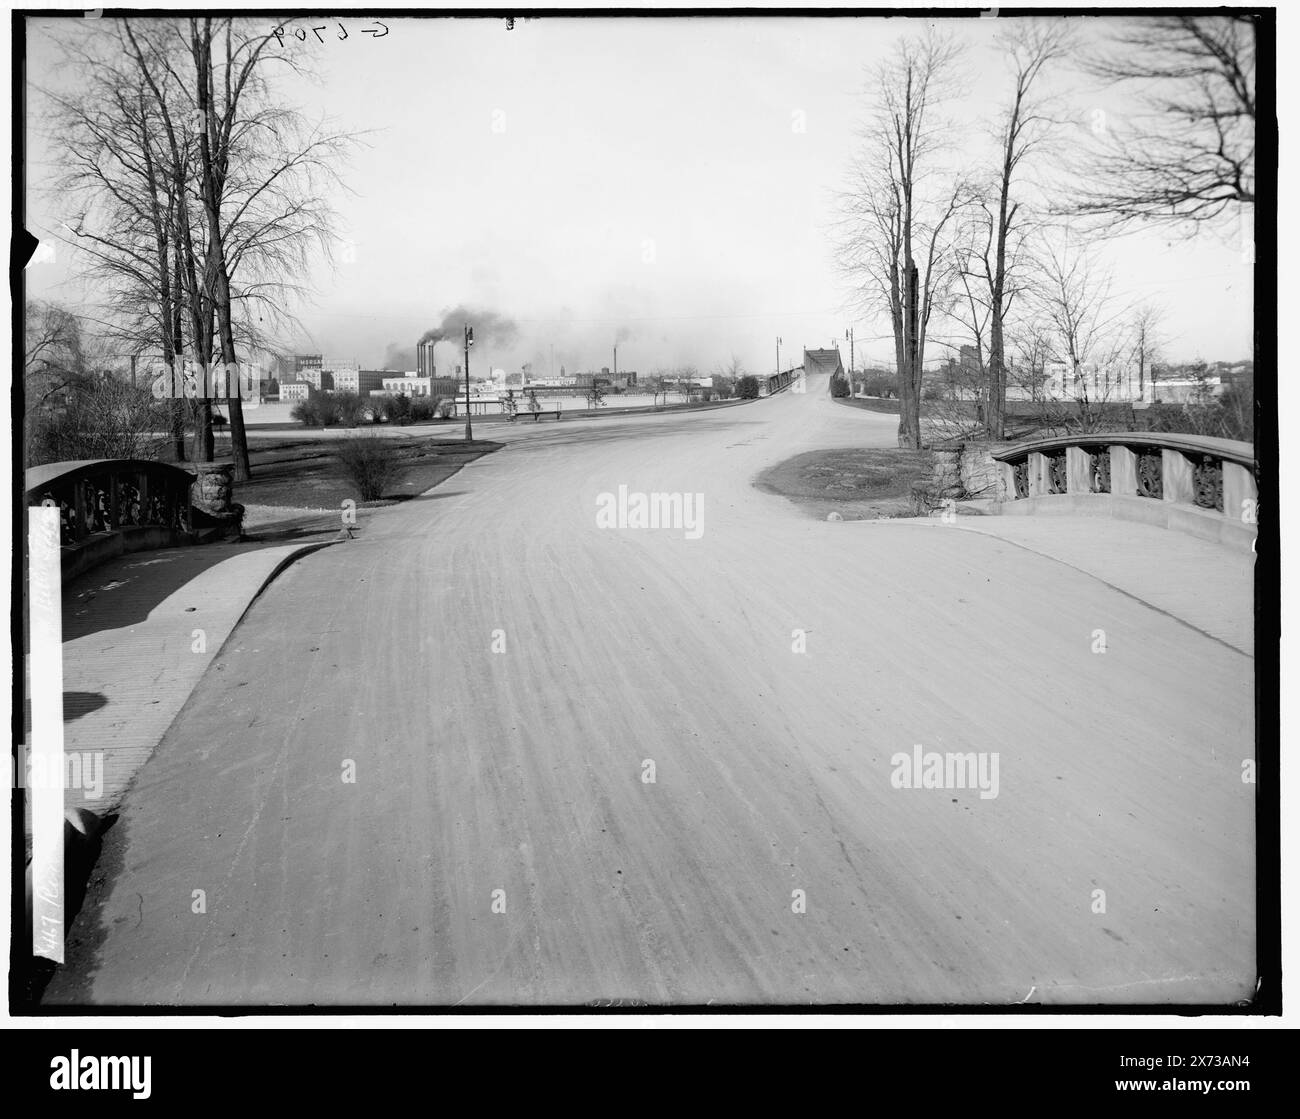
(778,356)
(616,361)
(849,335)
(469,423)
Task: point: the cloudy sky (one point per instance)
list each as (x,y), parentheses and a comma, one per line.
(667,182)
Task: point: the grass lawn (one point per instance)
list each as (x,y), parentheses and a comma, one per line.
(298,488)
(888,405)
(857,483)
(301,475)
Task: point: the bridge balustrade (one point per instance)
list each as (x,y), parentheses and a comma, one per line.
(1197,483)
(110,506)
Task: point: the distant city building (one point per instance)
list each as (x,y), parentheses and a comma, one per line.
(406,385)
(361,381)
(445,386)
(295,390)
(317,377)
(1182,390)
(306,361)
(1091,381)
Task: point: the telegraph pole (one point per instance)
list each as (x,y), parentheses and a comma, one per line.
(778,356)
(849,335)
(469,423)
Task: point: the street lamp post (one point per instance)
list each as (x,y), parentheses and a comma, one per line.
(469,423)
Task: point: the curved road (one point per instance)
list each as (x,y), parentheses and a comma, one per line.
(503,676)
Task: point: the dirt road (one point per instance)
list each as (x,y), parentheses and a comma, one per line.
(501,678)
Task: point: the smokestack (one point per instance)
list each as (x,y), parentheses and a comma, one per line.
(424,358)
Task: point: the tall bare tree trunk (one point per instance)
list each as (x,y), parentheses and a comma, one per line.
(1032,50)
(213,174)
(178,349)
(909,411)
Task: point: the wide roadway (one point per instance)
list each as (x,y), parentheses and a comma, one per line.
(420,771)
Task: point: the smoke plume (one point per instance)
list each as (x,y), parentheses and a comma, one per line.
(490,328)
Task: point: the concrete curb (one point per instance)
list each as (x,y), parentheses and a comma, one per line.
(293,557)
(83,828)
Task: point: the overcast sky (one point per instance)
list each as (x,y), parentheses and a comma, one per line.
(667,181)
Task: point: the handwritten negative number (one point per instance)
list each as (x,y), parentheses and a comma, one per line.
(300,33)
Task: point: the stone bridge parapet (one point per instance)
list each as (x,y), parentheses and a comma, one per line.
(1193,483)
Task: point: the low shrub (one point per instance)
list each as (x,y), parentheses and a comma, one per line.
(747,387)
(350,408)
(839,387)
(880,386)
(422,408)
(370,462)
(397,408)
(318,410)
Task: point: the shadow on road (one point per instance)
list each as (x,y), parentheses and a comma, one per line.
(77,704)
(126,590)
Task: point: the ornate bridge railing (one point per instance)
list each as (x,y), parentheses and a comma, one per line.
(1192,482)
(110,506)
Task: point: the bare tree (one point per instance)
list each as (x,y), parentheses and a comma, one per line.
(657,383)
(897,219)
(200,191)
(971,308)
(54,356)
(120,198)
(1080,321)
(733,368)
(687,375)
(1027,359)
(256,165)
(725,375)
(1188,154)
(1146,340)
(1025,125)
(76,407)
